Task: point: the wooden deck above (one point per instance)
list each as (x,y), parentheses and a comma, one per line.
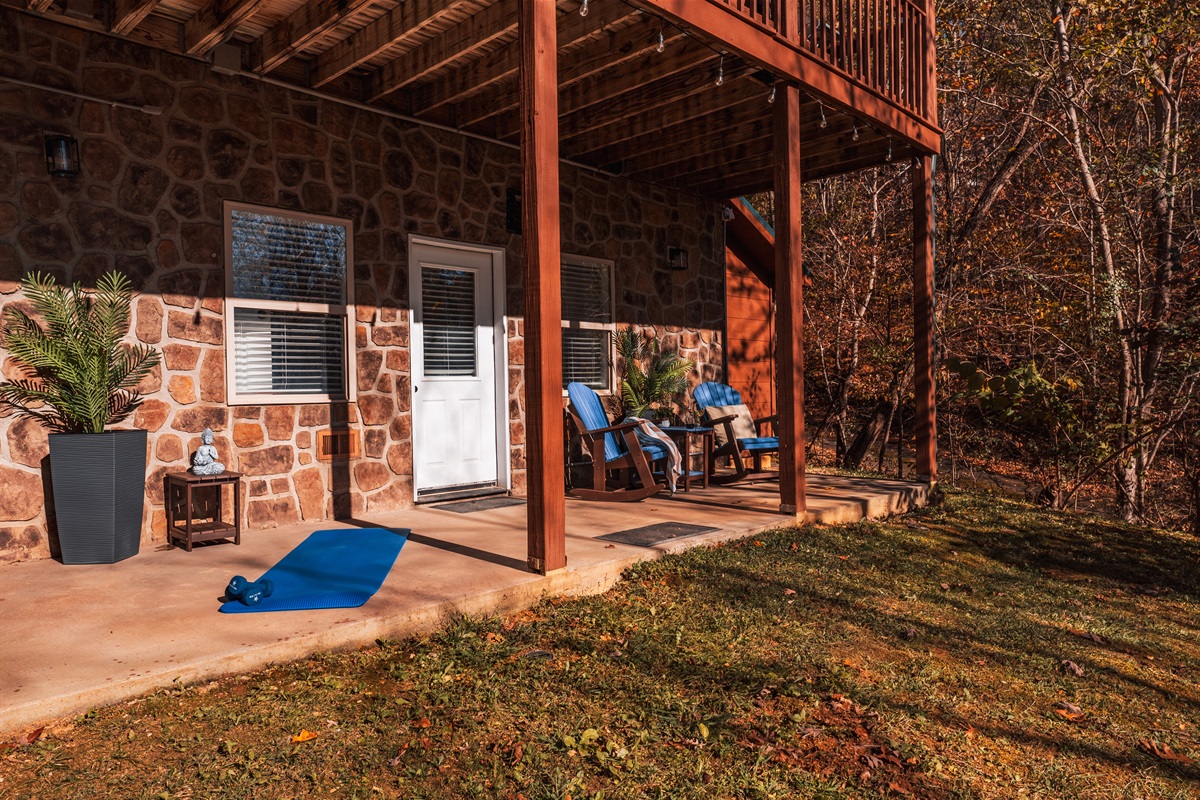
(693,113)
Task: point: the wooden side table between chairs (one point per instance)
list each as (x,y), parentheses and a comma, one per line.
(196,508)
(685,437)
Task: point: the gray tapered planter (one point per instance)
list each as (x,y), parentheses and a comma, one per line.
(99,484)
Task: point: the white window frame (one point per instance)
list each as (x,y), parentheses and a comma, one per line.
(611,327)
(349,359)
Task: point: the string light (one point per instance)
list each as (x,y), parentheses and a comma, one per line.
(583,9)
(662,43)
(824,122)
(721,71)
(854,138)
(771,96)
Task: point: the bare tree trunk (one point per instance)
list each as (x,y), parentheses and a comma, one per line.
(1127,393)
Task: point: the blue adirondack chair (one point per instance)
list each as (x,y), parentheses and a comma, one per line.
(613,449)
(711,394)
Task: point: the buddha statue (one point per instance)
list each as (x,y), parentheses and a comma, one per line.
(205,461)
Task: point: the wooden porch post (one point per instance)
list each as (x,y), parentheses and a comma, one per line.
(543,300)
(789,297)
(923,318)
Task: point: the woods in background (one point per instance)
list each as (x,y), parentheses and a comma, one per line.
(1068,262)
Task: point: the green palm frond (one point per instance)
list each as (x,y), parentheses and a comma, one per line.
(651,379)
(80,374)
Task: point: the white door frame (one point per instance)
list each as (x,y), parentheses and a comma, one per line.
(500,338)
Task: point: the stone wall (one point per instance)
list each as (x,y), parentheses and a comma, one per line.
(149,203)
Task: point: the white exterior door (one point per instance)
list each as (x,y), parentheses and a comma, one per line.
(458,431)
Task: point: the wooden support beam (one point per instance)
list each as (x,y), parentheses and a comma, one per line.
(301,27)
(789,302)
(723,27)
(501,65)
(494,22)
(38,5)
(404,21)
(545,476)
(215,22)
(923,318)
(128,14)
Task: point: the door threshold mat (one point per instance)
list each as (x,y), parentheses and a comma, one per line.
(651,535)
(482,504)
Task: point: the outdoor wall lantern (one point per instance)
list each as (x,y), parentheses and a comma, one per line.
(62,156)
(677,258)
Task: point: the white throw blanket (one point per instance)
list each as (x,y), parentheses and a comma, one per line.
(649,433)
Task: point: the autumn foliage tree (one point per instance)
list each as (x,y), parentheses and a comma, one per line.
(1068,249)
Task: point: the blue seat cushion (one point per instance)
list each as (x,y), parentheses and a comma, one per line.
(759,443)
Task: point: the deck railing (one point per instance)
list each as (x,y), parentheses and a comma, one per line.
(884,45)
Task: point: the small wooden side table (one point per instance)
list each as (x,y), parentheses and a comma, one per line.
(199,516)
(684,437)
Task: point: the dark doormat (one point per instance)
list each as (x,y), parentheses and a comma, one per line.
(651,535)
(482,504)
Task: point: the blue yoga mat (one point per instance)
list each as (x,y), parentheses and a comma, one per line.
(330,569)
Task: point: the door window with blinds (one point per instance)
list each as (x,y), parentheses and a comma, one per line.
(588,322)
(289,306)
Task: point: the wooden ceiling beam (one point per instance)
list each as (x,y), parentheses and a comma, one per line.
(758,178)
(817,154)
(613,65)
(502,64)
(693,91)
(301,28)
(494,22)
(656,164)
(712,164)
(216,22)
(128,14)
(402,22)
(710,126)
(694,140)
(616,126)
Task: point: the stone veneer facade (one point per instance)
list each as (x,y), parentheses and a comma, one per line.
(149,203)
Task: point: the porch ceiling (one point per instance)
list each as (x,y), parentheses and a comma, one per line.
(623,106)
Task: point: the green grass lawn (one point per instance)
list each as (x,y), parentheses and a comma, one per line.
(921,657)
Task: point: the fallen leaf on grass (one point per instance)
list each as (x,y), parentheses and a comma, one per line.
(789,591)
(423,722)
(1091,637)
(1070,712)
(1071,668)
(21,741)
(303,736)
(1163,751)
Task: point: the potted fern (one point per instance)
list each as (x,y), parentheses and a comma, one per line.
(651,378)
(81,378)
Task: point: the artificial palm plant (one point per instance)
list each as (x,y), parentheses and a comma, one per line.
(650,377)
(83,376)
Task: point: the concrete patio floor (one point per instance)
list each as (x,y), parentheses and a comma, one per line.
(79,637)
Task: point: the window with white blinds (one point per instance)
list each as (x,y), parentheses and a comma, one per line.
(448,322)
(289,306)
(587,318)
